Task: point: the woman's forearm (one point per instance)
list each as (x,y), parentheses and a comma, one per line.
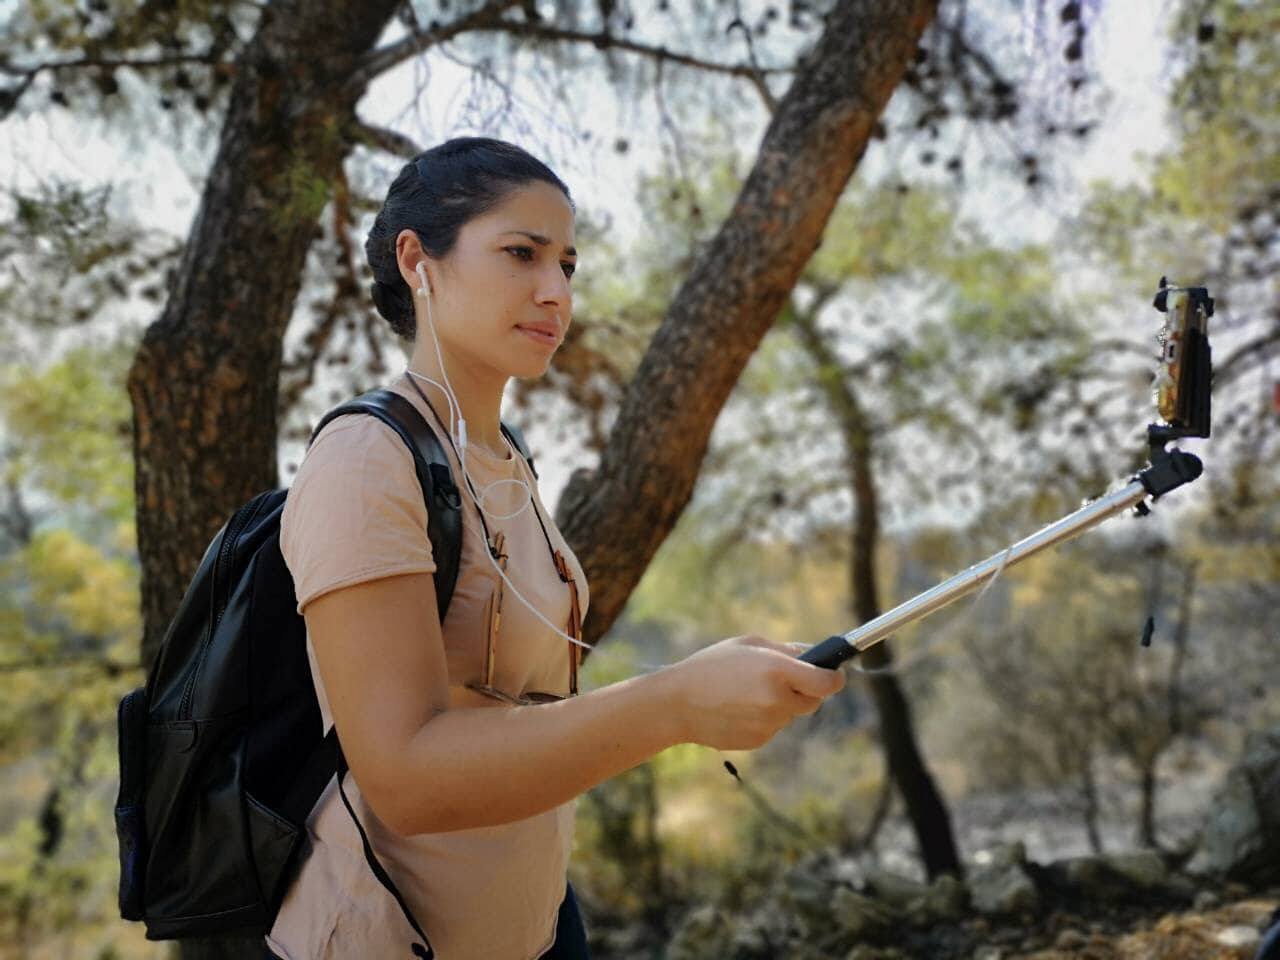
(478,767)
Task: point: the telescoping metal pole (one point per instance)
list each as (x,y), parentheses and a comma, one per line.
(835,650)
(1183,386)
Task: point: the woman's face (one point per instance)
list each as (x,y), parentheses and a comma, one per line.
(502,299)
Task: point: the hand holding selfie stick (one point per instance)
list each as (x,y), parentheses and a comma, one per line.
(1182,397)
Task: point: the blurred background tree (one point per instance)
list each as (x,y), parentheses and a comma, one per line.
(69,623)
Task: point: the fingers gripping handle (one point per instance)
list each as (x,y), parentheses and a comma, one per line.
(830,653)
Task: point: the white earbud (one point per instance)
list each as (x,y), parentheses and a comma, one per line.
(460,430)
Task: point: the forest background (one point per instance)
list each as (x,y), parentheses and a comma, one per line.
(966,356)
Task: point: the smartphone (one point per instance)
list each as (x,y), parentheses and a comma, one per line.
(1185,372)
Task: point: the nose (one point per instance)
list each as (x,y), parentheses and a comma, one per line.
(553,288)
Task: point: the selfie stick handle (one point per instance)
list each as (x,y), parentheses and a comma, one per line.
(1169,469)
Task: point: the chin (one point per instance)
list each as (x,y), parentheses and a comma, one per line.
(531,370)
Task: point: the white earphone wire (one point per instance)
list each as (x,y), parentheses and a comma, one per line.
(469,484)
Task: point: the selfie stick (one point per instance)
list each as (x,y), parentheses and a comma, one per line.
(1182,388)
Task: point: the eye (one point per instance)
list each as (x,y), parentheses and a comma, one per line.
(568,269)
(521,253)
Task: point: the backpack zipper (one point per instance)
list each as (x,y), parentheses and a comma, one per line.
(225,551)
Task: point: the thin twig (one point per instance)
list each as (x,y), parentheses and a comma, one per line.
(109,62)
(757,78)
(487,19)
(1263,346)
(379,61)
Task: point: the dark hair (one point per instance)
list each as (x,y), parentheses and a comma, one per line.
(435,195)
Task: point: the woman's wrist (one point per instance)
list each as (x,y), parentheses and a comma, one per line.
(664,691)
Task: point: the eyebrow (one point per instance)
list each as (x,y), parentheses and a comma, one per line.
(542,241)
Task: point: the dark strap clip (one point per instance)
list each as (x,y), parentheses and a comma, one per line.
(446,490)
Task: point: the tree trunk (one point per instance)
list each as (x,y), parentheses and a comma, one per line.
(657,907)
(205,381)
(1147,815)
(617,516)
(1181,634)
(925,807)
(1089,794)
(1148,782)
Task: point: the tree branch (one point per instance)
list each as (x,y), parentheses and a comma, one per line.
(757,75)
(606,41)
(737,284)
(9,98)
(384,58)
(176,59)
(487,19)
(347,289)
(1263,345)
(383,138)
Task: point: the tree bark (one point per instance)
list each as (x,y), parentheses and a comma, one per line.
(616,516)
(924,804)
(205,381)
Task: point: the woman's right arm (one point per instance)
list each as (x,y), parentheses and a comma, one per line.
(424,768)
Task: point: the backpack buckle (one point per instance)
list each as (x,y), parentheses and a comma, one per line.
(446,491)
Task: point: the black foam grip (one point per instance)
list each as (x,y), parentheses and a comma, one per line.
(830,653)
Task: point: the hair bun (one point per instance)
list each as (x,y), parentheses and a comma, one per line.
(396,305)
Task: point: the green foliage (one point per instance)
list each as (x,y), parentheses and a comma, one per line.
(884,232)
(181,45)
(69,627)
(308,193)
(1055,683)
(1223,172)
(71,260)
(710,574)
(83,590)
(68,431)
(66,225)
(1226,104)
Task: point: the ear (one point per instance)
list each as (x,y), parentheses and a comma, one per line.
(409,254)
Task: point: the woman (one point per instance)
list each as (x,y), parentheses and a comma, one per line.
(466,742)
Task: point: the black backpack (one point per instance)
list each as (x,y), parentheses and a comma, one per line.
(221,753)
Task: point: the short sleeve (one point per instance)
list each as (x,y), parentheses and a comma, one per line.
(355,511)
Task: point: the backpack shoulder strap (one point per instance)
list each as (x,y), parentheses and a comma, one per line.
(444,529)
(439,492)
(516,436)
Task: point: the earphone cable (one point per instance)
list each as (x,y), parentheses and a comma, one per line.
(470,487)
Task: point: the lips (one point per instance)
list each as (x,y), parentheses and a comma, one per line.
(544,333)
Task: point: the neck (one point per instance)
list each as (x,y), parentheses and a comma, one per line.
(478,391)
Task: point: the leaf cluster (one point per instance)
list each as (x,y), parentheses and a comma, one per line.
(69,623)
(75,55)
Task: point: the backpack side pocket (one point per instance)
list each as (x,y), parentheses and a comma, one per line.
(131,828)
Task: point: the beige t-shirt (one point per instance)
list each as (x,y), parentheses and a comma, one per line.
(355,513)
